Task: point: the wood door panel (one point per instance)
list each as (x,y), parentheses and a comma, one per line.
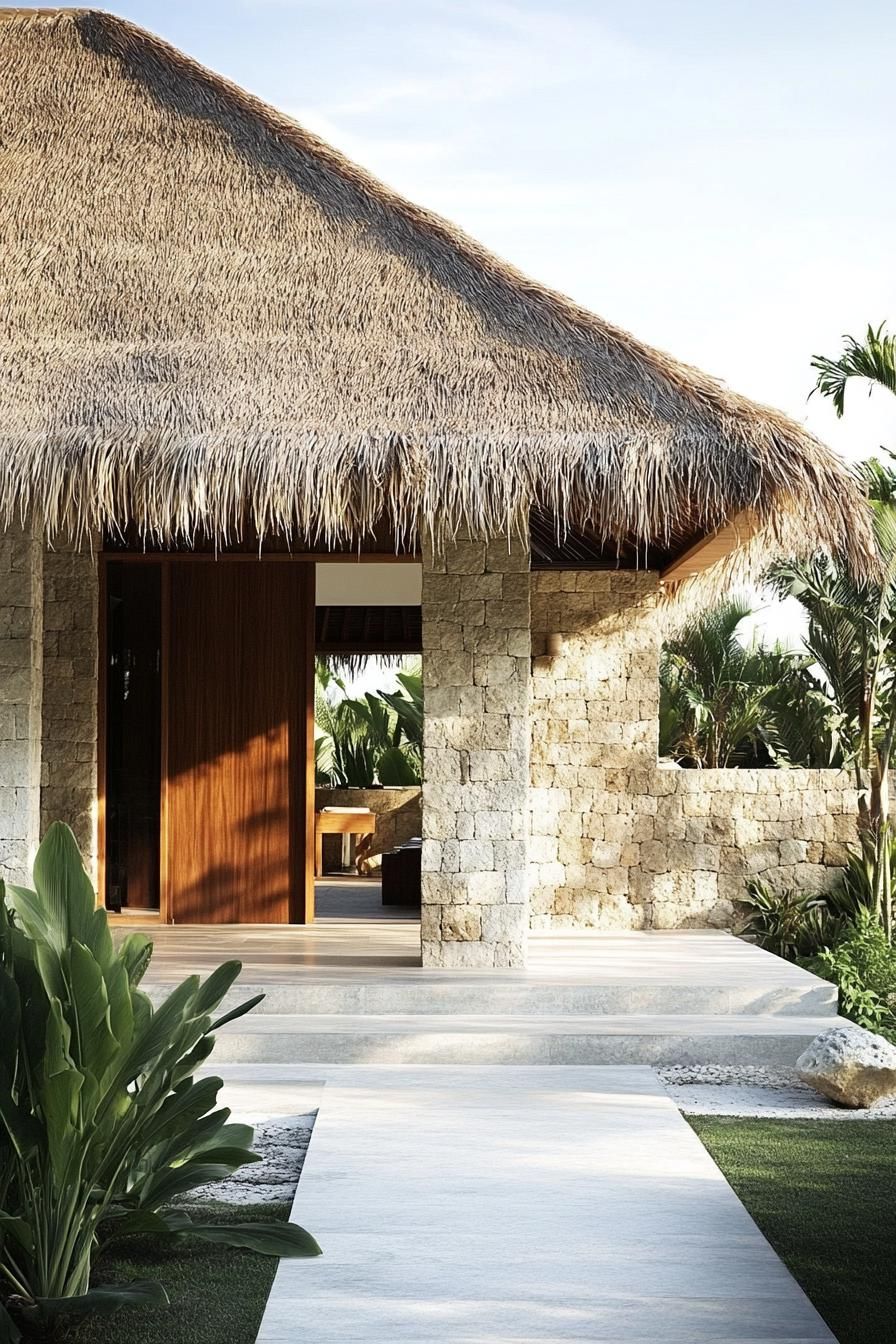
(236,750)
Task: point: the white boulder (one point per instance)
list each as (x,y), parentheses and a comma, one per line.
(852,1066)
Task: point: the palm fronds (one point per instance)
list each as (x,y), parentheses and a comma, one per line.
(872,360)
(372,739)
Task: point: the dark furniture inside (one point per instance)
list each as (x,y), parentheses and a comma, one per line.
(401,875)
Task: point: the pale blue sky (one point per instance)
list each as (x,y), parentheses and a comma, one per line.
(716,176)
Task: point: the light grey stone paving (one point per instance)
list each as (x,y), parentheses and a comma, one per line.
(468,1038)
(511,1205)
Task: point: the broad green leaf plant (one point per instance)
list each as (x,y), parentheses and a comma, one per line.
(102,1122)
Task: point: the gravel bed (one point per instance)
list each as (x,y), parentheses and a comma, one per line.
(752,1091)
(282,1145)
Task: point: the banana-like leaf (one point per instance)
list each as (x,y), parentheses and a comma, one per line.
(121,1011)
(187,1104)
(240,1011)
(396,768)
(17,1119)
(140,1293)
(29,911)
(63,888)
(168,1183)
(95,1045)
(17,1230)
(213,989)
(100,939)
(136,1223)
(187,1065)
(59,1100)
(234,1136)
(287,1240)
(135,953)
(155,1036)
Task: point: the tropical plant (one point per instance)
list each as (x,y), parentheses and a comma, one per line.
(851,638)
(871,360)
(377,738)
(852,623)
(714,690)
(800,726)
(862,963)
(791,923)
(102,1124)
(404,765)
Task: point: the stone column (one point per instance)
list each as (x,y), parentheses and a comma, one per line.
(21,637)
(476,648)
(70,627)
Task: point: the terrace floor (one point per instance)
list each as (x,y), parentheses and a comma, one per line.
(352,991)
(355,942)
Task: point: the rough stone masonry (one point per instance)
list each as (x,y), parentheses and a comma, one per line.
(619,840)
(48,696)
(476,653)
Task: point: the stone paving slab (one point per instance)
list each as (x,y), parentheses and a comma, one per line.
(465,1038)
(508,1205)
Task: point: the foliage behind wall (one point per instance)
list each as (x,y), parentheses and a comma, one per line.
(367,740)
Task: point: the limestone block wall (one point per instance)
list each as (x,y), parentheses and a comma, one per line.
(620,841)
(398,817)
(21,688)
(476,648)
(70,650)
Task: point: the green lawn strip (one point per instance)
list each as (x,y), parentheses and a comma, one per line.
(217,1293)
(822,1191)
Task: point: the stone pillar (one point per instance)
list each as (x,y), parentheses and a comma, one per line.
(476,648)
(21,629)
(70,627)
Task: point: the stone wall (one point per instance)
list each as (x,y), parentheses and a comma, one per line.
(619,841)
(69,771)
(476,755)
(21,687)
(398,817)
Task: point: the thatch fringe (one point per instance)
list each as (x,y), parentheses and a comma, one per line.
(321,493)
(213,324)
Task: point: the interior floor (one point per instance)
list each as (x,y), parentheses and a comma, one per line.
(351,897)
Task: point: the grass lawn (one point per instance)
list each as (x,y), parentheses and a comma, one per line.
(823,1193)
(218,1294)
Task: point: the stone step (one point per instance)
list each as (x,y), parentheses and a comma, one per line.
(812,998)
(471,1038)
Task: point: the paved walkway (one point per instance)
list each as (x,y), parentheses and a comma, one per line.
(511,1205)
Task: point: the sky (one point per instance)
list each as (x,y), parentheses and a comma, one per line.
(716,176)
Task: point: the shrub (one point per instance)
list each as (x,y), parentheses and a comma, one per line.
(102,1123)
(862,964)
(791,923)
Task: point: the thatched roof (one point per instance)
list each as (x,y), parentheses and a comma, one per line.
(209,317)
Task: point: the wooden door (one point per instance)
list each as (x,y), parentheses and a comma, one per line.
(236,811)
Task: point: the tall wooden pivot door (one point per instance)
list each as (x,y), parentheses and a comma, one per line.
(235,798)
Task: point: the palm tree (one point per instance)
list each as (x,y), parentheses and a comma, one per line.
(376,738)
(852,639)
(724,704)
(852,624)
(713,689)
(872,360)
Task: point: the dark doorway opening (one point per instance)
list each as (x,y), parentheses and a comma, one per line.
(133,736)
